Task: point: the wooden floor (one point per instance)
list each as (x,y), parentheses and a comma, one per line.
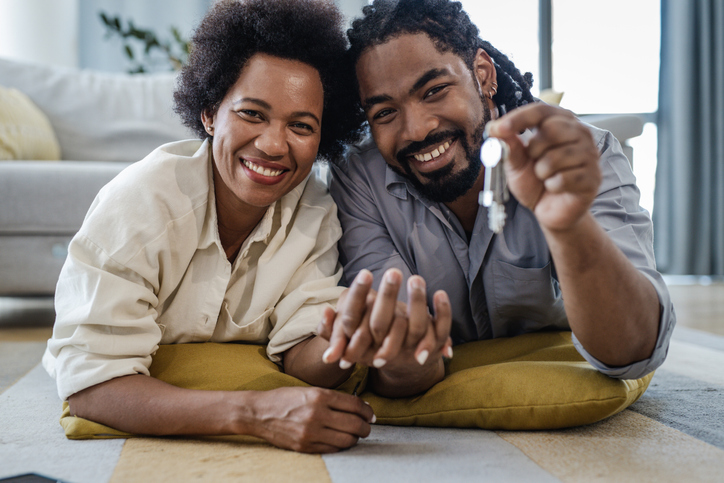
(697,306)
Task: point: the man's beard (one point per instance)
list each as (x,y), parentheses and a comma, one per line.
(442,185)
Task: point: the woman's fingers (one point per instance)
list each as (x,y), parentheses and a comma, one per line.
(392,344)
(351,311)
(443,320)
(313,419)
(383,311)
(418,314)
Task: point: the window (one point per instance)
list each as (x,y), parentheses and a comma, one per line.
(604,58)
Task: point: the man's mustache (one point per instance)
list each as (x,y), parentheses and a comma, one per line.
(434,139)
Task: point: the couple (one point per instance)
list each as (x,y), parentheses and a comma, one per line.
(230,239)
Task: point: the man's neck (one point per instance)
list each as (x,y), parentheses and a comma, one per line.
(466,207)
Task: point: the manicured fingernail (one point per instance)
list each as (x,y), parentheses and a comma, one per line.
(379,362)
(422,357)
(449,352)
(364,276)
(344,364)
(417,283)
(374,419)
(325,356)
(393,276)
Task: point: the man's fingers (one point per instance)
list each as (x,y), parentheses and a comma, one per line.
(525,117)
(384,307)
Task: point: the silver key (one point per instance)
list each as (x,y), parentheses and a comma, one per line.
(495,187)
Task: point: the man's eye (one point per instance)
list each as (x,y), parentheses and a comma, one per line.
(382,113)
(434,90)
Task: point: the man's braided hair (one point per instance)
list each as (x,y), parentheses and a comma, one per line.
(450,28)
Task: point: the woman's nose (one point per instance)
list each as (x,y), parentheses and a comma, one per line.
(272,141)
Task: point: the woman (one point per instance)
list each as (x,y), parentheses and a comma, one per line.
(224,239)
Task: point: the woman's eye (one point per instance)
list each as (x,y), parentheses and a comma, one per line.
(250,114)
(300,126)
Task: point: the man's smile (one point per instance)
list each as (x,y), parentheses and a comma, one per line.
(422,157)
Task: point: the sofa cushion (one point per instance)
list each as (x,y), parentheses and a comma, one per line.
(100,116)
(25,132)
(49,198)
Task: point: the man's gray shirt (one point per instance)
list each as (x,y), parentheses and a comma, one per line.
(499,285)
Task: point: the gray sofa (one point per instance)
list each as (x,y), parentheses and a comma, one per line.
(102,122)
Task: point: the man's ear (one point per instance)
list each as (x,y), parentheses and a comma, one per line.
(208,121)
(485,73)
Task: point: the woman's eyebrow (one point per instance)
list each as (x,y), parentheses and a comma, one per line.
(268,106)
(253,100)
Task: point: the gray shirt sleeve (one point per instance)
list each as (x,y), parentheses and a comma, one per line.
(366,242)
(617,210)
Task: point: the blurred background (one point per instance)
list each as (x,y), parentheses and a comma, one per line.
(659,60)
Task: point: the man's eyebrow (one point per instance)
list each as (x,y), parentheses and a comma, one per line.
(424,79)
(427,77)
(266,105)
(371,101)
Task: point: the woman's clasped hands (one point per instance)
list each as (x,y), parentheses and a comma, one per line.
(404,343)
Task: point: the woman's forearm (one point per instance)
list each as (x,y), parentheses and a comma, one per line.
(144,405)
(304,361)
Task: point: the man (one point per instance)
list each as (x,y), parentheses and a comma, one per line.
(576,250)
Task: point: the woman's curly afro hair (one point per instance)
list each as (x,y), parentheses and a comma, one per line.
(447,24)
(308,31)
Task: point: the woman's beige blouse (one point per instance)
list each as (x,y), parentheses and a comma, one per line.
(147,268)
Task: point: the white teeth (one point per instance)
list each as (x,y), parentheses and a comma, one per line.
(262,171)
(434,153)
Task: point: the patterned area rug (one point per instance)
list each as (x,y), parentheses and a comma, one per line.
(675,432)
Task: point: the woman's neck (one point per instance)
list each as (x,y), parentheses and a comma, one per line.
(236,220)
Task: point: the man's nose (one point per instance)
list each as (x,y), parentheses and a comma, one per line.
(272,141)
(417,124)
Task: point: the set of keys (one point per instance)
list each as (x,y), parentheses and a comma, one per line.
(495,192)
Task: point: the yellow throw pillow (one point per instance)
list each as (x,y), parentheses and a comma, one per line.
(25,131)
(533,381)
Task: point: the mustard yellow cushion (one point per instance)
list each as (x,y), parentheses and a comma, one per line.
(534,381)
(25,131)
(209,366)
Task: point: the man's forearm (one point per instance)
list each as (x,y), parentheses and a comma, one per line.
(612,308)
(406,381)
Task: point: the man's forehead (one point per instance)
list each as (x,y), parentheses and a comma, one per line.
(402,60)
